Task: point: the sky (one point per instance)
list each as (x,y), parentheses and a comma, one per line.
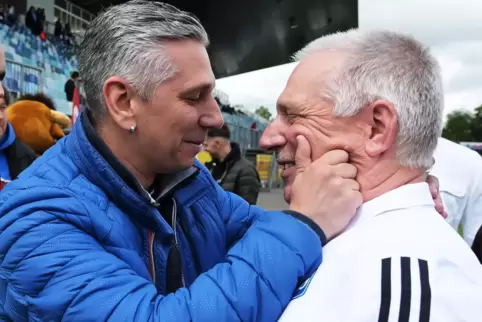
(452,29)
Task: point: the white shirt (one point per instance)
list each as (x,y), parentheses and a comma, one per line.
(459,171)
(396,239)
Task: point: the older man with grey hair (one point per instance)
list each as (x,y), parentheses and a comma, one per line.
(118,222)
(377,95)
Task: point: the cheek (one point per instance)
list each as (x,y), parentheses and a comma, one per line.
(320,142)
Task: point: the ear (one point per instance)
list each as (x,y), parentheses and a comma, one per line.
(382,120)
(217,142)
(119,99)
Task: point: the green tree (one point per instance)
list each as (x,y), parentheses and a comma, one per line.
(459,126)
(476,128)
(264,113)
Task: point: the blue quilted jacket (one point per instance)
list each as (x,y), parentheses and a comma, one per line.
(79,243)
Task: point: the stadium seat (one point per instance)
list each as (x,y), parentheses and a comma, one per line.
(57,62)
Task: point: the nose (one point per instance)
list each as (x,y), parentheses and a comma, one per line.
(211,117)
(273,137)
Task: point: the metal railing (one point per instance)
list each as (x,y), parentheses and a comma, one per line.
(22,79)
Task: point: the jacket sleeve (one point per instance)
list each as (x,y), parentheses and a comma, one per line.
(248,184)
(53,271)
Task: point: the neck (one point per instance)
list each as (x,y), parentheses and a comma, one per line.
(225,151)
(117,141)
(386,176)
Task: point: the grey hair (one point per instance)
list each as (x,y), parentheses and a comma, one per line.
(127,41)
(388,65)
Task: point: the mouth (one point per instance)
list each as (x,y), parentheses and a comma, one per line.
(200,143)
(284,165)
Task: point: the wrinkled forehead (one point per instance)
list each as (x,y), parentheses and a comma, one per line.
(310,77)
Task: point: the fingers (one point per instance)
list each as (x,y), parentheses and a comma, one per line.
(345,170)
(434,191)
(335,157)
(433,185)
(354,185)
(303,153)
(358,198)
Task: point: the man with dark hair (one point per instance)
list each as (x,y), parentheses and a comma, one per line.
(230,169)
(70,86)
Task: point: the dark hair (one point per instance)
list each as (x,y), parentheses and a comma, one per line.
(39,97)
(75,74)
(220,133)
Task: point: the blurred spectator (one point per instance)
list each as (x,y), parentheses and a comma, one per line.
(11,17)
(40,19)
(31,20)
(35,19)
(67,34)
(70,86)
(15,156)
(230,169)
(7,15)
(459,171)
(59,30)
(3,14)
(67,30)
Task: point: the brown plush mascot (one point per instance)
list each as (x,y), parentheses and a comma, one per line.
(36,122)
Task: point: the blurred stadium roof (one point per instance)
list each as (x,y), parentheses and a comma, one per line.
(248,35)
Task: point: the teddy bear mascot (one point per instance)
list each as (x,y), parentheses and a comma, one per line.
(36,121)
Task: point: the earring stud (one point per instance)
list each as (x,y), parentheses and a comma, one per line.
(132,129)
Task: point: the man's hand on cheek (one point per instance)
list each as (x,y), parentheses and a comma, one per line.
(434,190)
(325,190)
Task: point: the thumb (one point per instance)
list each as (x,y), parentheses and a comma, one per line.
(303,153)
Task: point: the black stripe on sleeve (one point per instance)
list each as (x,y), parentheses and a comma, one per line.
(406,292)
(425,291)
(386,290)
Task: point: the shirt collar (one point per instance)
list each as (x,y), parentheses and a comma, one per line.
(406,196)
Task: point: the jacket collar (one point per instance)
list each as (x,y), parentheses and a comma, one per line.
(8,137)
(101,167)
(234,155)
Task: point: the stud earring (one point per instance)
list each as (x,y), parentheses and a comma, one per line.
(132,129)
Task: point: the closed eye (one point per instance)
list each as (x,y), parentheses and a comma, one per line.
(195,98)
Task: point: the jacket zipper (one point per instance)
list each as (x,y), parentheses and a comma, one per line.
(152,265)
(151,239)
(174,227)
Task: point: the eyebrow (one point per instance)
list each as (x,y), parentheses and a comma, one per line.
(199,88)
(283,105)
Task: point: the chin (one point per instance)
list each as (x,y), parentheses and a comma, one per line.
(186,163)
